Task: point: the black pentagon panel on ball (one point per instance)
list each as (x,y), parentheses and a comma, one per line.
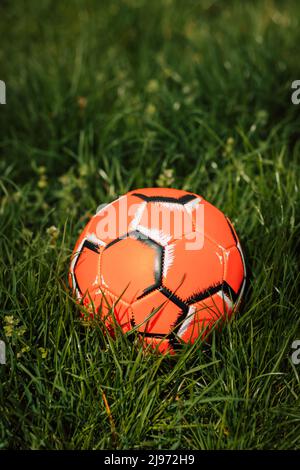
(181,200)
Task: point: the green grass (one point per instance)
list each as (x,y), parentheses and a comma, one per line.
(107,96)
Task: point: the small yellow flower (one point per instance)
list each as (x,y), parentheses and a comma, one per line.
(42,182)
(150,109)
(8,330)
(166,178)
(24,350)
(152,86)
(21,330)
(44,352)
(53,232)
(186,89)
(83,170)
(228,146)
(64,179)
(41,170)
(9,319)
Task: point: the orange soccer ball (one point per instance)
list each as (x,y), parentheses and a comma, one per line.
(162,261)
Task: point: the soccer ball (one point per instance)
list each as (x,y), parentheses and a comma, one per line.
(164,262)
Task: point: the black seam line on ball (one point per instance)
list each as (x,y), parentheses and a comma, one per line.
(116,240)
(175,344)
(202,295)
(137,235)
(146,334)
(232,231)
(179,320)
(173,298)
(225,287)
(181,200)
(90,246)
(76,284)
(244,281)
(229,291)
(148,291)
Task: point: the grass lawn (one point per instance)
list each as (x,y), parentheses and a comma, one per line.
(104,97)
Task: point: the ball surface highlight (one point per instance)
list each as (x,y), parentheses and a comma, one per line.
(162,261)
